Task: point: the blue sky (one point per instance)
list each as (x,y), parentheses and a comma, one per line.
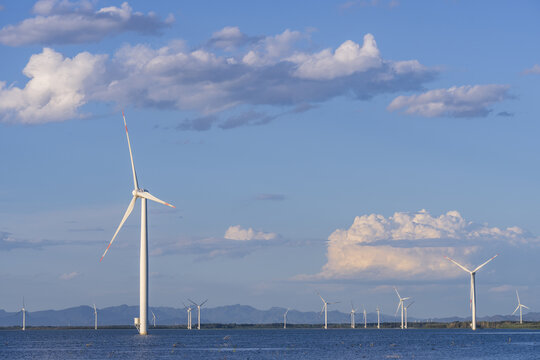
(344,147)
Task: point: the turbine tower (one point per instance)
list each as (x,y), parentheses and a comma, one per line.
(520,307)
(188,309)
(365,319)
(401,300)
(407,307)
(154,318)
(23,316)
(285,319)
(353,311)
(378,318)
(473,287)
(198,312)
(138,193)
(325,309)
(95,317)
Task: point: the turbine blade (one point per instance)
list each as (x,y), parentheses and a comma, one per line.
(135,183)
(484,264)
(397,293)
(126,215)
(397,308)
(526,307)
(324,301)
(517,294)
(406,307)
(461,266)
(147,195)
(517,308)
(204,302)
(193,302)
(407,298)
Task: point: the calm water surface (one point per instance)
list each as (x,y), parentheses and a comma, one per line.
(271,344)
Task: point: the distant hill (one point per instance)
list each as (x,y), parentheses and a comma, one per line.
(238,314)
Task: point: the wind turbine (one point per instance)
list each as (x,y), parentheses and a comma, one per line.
(401,300)
(520,307)
(23,316)
(407,307)
(188,309)
(95,317)
(325,309)
(285,319)
(378,318)
(473,287)
(139,193)
(198,312)
(154,318)
(365,319)
(353,311)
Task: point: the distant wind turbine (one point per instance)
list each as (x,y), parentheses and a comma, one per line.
(138,193)
(285,319)
(473,287)
(401,300)
(365,319)
(188,309)
(23,316)
(406,308)
(520,307)
(198,312)
(353,311)
(378,318)
(154,318)
(325,309)
(95,317)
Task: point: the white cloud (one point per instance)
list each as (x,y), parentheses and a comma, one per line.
(237,233)
(176,77)
(65,22)
(57,87)
(534,70)
(69,276)
(409,246)
(502,288)
(463,101)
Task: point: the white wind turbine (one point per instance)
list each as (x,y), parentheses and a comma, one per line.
(520,307)
(473,287)
(154,318)
(401,300)
(23,316)
(325,309)
(188,309)
(95,317)
(365,319)
(406,308)
(378,318)
(353,311)
(138,193)
(198,312)
(285,319)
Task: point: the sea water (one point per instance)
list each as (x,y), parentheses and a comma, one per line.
(270,344)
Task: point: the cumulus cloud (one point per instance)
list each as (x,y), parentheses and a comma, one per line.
(271,72)
(58,86)
(230,38)
(409,245)
(463,101)
(240,234)
(533,70)
(69,276)
(65,22)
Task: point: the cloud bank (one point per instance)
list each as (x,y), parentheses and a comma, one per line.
(66,22)
(409,246)
(271,72)
(463,101)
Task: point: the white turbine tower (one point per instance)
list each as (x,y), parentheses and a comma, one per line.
(188,309)
(473,287)
(406,308)
(378,318)
(353,311)
(285,319)
(138,193)
(198,312)
(325,309)
(520,308)
(154,318)
(23,316)
(401,300)
(365,319)
(95,317)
